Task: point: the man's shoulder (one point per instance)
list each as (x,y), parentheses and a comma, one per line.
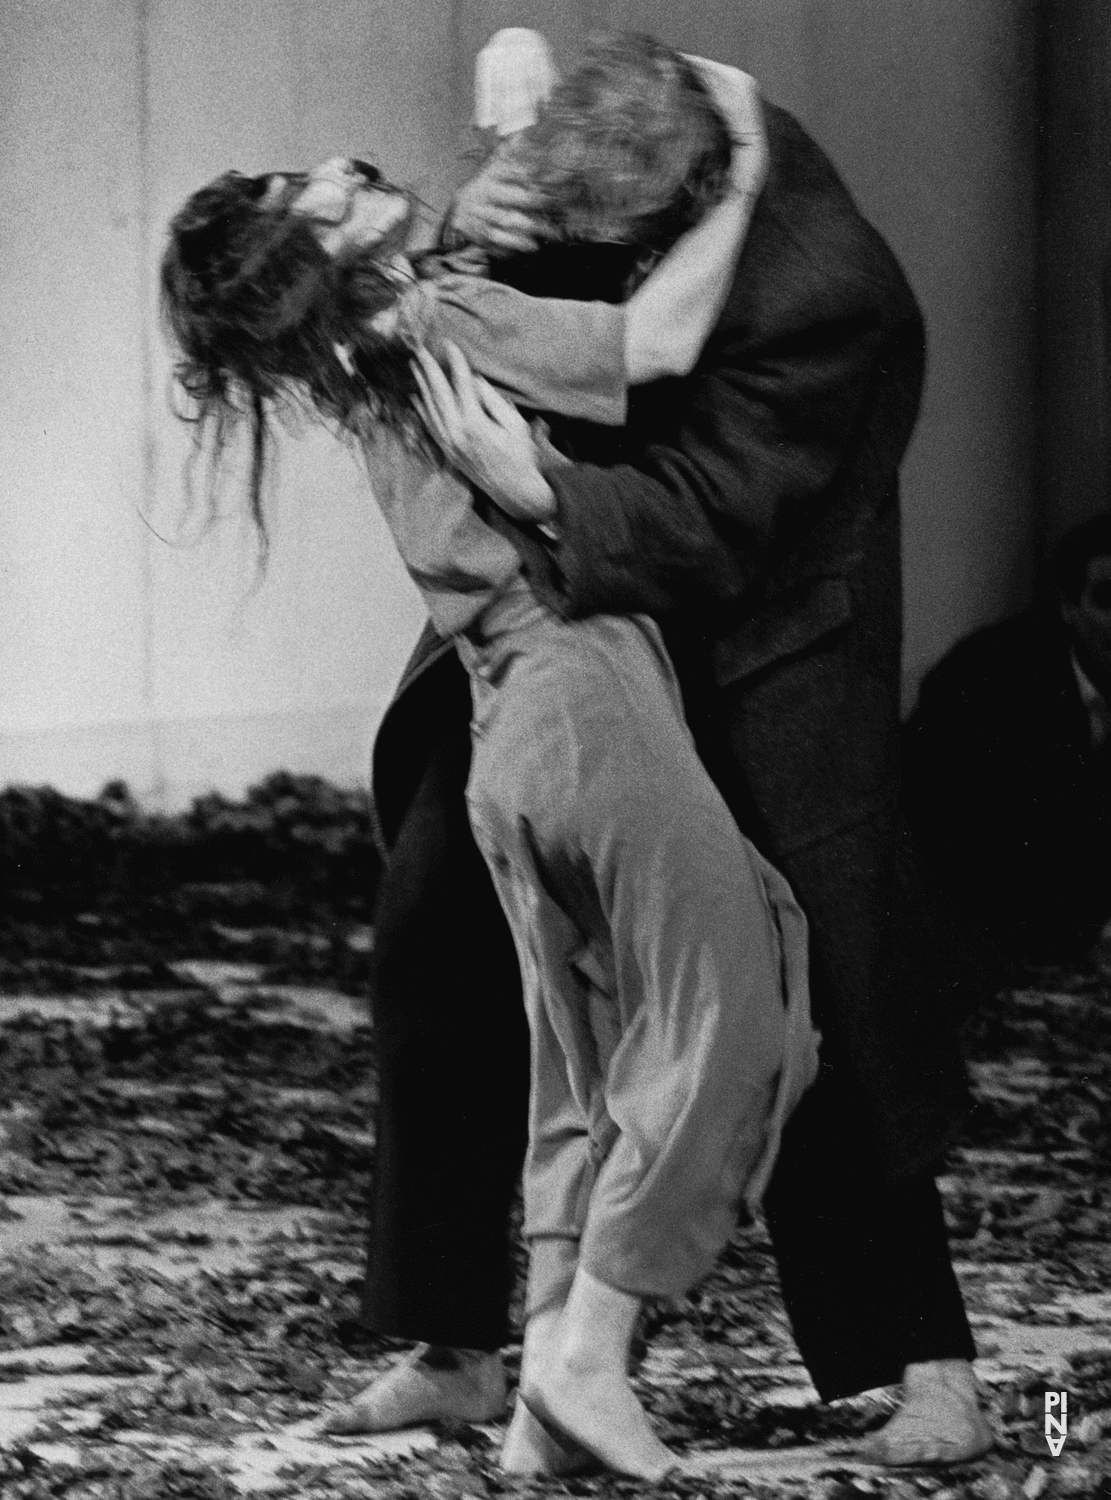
(798,165)
(808,228)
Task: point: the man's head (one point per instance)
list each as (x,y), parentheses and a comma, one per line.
(1082,576)
(265,281)
(629,147)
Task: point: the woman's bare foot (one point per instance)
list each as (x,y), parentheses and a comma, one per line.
(596,1409)
(940,1421)
(430,1384)
(575,1382)
(532,1448)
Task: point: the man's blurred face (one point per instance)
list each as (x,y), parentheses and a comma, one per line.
(629,148)
(1089,620)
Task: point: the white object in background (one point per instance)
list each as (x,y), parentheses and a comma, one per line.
(513,75)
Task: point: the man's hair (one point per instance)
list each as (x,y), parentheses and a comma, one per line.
(629,147)
(257,308)
(1075,551)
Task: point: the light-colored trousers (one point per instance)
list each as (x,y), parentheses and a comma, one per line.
(663,960)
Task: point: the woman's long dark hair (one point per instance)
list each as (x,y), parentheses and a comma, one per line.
(264,320)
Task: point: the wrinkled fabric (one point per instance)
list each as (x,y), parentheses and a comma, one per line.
(663,960)
(544,352)
(567,357)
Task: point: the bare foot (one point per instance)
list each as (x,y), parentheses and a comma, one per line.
(430,1384)
(595,1408)
(940,1421)
(532,1448)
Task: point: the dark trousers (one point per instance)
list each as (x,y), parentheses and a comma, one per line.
(864,1265)
(453,1059)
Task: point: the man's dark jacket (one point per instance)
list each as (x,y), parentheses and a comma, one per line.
(753,509)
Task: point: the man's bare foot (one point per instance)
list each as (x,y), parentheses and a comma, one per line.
(940,1421)
(532,1448)
(430,1384)
(595,1408)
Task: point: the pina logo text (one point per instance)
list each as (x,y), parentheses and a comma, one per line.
(1056,1426)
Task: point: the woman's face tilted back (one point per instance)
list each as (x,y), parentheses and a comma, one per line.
(349,205)
(267,284)
(262,274)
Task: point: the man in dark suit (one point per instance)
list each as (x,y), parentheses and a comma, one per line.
(753,509)
(1008,765)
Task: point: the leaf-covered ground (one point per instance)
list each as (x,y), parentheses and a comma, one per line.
(184,1157)
(284,877)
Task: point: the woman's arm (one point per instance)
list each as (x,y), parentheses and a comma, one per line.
(546,353)
(669,318)
(577,358)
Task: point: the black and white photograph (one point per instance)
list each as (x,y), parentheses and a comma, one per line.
(555,749)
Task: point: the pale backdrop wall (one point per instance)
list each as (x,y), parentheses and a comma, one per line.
(132,642)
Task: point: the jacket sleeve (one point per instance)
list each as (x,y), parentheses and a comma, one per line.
(738,460)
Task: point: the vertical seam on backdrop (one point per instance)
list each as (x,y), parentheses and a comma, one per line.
(461,79)
(148,453)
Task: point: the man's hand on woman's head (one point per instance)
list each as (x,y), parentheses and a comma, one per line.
(483,435)
(499,210)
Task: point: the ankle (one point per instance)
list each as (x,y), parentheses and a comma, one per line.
(596,1329)
(540,1342)
(580,1358)
(441,1357)
(926,1376)
(448,1359)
